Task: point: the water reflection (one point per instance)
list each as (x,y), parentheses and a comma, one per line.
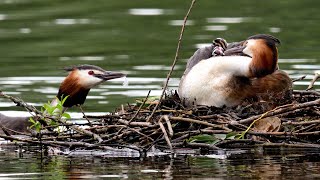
(72,21)
(180,22)
(229,20)
(146,12)
(216,28)
(248,164)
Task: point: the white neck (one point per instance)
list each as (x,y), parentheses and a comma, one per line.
(234,65)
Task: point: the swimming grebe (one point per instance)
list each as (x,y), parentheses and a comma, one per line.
(248,70)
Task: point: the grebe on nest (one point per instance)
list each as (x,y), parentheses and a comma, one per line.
(246,70)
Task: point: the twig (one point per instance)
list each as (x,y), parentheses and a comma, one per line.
(21,103)
(299,79)
(286,145)
(198,122)
(302,123)
(165,134)
(145,124)
(315,78)
(282,110)
(137,112)
(174,61)
(82,131)
(84,115)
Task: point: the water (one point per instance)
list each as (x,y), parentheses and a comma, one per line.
(40,37)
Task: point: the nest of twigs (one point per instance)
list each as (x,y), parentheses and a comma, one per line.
(172,126)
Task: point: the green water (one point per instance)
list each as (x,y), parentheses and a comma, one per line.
(139,37)
(39,38)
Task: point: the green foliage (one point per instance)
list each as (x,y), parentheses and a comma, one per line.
(50,110)
(211,139)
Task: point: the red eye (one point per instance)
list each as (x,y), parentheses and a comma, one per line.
(90,72)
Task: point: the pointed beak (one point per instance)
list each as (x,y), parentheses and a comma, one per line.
(110,75)
(237,50)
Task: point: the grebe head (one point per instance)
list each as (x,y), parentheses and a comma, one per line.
(262,48)
(80,80)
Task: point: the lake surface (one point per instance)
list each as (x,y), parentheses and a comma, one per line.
(40,37)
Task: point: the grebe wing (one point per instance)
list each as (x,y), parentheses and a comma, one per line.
(199,55)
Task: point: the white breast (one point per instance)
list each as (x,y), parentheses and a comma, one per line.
(207,82)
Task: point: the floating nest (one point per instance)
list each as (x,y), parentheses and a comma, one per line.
(171,126)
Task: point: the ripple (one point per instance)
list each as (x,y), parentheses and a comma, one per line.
(154,67)
(134,93)
(202,45)
(229,20)
(83,58)
(146,12)
(71,21)
(25,30)
(275,29)
(46,90)
(305,66)
(7,104)
(17,174)
(3,17)
(96,97)
(131,87)
(180,22)
(296,60)
(216,28)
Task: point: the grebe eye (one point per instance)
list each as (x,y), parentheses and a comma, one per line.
(90,72)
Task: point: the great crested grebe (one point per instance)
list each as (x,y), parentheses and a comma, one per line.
(76,85)
(80,80)
(248,70)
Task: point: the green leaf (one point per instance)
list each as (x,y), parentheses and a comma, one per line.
(48,108)
(203,138)
(64,99)
(32,120)
(59,106)
(53,123)
(66,115)
(232,135)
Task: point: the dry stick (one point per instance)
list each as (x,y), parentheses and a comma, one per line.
(285,133)
(174,62)
(301,92)
(166,118)
(299,79)
(143,103)
(21,103)
(306,129)
(145,124)
(316,76)
(137,112)
(142,134)
(82,131)
(302,123)
(285,145)
(165,134)
(84,115)
(33,109)
(198,122)
(282,110)
(54,143)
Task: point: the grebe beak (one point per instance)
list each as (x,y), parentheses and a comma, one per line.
(109,75)
(238,50)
